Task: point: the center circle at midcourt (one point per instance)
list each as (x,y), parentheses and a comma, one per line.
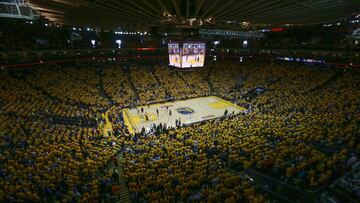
(185,110)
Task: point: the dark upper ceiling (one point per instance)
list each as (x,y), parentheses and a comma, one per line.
(114,13)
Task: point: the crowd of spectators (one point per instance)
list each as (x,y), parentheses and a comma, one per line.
(306,111)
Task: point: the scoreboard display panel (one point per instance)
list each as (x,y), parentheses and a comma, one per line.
(193,55)
(187,54)
(174,54)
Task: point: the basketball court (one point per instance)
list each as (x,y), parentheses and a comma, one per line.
(187,111)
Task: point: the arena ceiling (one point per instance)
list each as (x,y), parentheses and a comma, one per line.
(114,13)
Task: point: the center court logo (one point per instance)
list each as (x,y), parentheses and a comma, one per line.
(185,110)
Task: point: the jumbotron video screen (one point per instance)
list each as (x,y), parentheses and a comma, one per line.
(174,55)
(186,54)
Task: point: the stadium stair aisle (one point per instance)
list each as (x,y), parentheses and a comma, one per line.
(128,71)
(102,91)
(278,188)
(158,80)
(208,80)
(127,121)
(124,192)
(50,96)
(123,196)
(74,77)
(326,82)
(279,191)
(182,78)
(273,194)
(36,88)
(107,127)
